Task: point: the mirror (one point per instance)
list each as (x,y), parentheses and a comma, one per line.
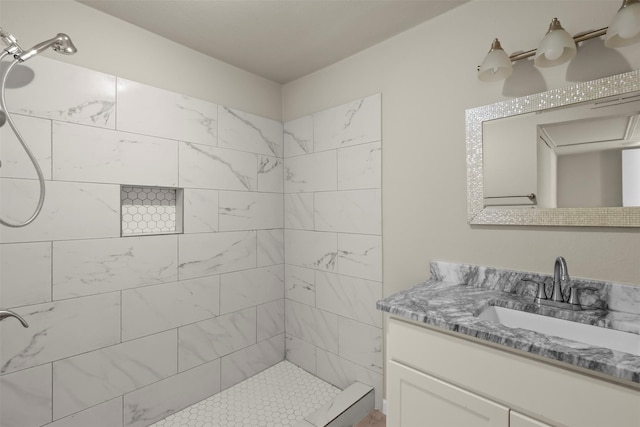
(568,156)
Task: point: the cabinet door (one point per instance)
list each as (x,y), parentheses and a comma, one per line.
(516,419)
(419,400)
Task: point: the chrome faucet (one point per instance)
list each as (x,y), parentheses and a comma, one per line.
(9,313)
(560,277)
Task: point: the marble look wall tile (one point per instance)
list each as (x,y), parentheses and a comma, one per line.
(248,288)
(298,211)
(270,247)
(271,174)
(200,211)
(349,297)
(311,249)
(300,284)
(107,414)
(89,154)
(342,373)
(213,253)
(25,274)
(60,218)
(93,322)
(314,326)
(301,353)
(360,167)
(37,135)
(54,93)
(26,397)
(298,136)
(149,404)
(312,172)
(87,267)
(349,124)
(360,343)
(241,210)
(245,363)
(217,168)
(270,319)
(360,256)
(158,308)
(211,339)
(349,211)
(88,379)
(152,111)
(247,132)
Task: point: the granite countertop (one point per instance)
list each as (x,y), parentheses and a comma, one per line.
(452,305)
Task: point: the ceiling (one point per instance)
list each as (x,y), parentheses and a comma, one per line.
(280,40)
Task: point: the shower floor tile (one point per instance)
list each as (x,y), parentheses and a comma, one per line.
(279,396)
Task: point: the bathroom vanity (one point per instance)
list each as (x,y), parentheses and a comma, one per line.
(448,367)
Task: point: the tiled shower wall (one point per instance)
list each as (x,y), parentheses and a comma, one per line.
(333,243)
(126,330)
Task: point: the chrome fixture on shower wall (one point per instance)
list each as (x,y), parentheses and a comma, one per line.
(61,44)
(558,47)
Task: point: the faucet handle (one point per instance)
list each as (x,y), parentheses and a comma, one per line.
(573,293)
(541,294)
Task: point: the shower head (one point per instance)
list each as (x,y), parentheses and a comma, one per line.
(60,43)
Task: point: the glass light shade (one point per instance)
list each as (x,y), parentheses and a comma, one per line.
(625,27)
(557,47)
(496,65)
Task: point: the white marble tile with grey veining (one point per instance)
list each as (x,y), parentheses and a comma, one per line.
(153,111)
(360,343)
(311,249)
(211,339)
(360,167)
(270,319)
(89,154)
(25,274)
(87,267)
(270,174)
(247,132)
(242,210)
(54,93)
(158,308)
(207,167)
(247,362)
(349,211)
(301,353)
(360,256)
(156,401)
(15,161)
(270,247)
(93,322)
(349,124)
(298,211)
(311,172)
(349,297)
(26,397)
(312,325)
(200,211)
(88,379)
(300,284)
(298,136)
(107,414)
(248,288)
(206,254)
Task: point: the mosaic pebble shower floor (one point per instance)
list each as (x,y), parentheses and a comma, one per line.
(279,396)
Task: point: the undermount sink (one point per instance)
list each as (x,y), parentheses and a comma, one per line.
(589,334)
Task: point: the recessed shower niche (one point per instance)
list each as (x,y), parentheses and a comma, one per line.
(151,210)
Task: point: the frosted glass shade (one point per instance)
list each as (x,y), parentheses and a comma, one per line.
(625,27)
(496,65)
(557,47)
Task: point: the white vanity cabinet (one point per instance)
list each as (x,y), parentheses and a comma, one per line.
(437,378)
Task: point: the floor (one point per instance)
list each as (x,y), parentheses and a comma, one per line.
(279,396)
(374,419)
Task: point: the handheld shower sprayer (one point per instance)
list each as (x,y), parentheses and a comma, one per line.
(60,43)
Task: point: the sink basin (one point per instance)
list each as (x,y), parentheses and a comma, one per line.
(589,334)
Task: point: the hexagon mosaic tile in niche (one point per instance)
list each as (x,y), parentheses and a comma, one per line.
(148,210)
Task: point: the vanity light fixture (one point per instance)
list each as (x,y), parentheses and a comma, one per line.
(558,47)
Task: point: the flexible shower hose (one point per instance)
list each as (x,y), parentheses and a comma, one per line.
(3,105)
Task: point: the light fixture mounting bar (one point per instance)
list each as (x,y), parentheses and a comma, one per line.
(577,38)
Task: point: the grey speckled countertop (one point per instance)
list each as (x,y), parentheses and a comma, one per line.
(455,294)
